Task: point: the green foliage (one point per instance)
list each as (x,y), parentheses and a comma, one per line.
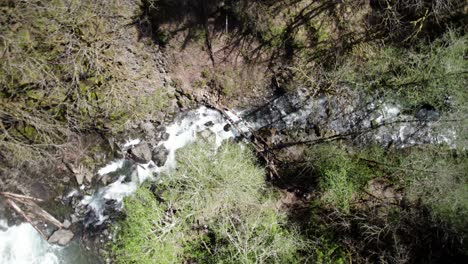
(433,176)
(144,237)
(328,252)
(214,208)
(439,179)
(341,176)
(418,204)
(427,74)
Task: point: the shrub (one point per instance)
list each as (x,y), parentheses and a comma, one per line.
(215,208)
(427,74)
(439,180)
(402,20)
(419,215)
(145,236)
(341,176)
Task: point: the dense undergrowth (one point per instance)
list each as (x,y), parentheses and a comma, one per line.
(396,207)
(215,208)
(433,74)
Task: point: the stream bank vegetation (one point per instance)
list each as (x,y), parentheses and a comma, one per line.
(395,206)
(215,208)
(64,71)
(364,205)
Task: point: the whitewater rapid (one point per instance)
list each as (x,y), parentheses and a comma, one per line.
(21,244)
(181,133)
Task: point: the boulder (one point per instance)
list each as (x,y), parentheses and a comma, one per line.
(61,237)
(66,224)
(159,155)
(74,218)
(141,153)
(209,124)
(165,136)
(206,134)
(148,129)
(428,113)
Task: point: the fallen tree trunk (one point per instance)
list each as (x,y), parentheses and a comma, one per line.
(19,196)
(15,207)
(33,209)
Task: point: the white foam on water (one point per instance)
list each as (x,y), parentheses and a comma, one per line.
(388,112)
(111,167)
(131,142)
(22,244)
(181,133)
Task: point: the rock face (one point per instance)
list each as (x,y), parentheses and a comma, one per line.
(61,237)
(141,153)
(159,155)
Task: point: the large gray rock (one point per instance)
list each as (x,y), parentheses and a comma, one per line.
(159,155)
(148,129)
(61,237)
(141,153)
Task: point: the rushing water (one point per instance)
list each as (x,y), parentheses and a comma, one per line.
(383,123)
(181,133)
(21,244)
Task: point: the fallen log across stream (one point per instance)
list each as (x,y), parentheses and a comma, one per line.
(32,210)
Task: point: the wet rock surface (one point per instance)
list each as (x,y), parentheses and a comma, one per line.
(61,237)
(428,113)
(300,117)
(141,153)
(159,155)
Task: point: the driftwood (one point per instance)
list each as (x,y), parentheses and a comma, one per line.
(15,207)
(33,209)
(19,196)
